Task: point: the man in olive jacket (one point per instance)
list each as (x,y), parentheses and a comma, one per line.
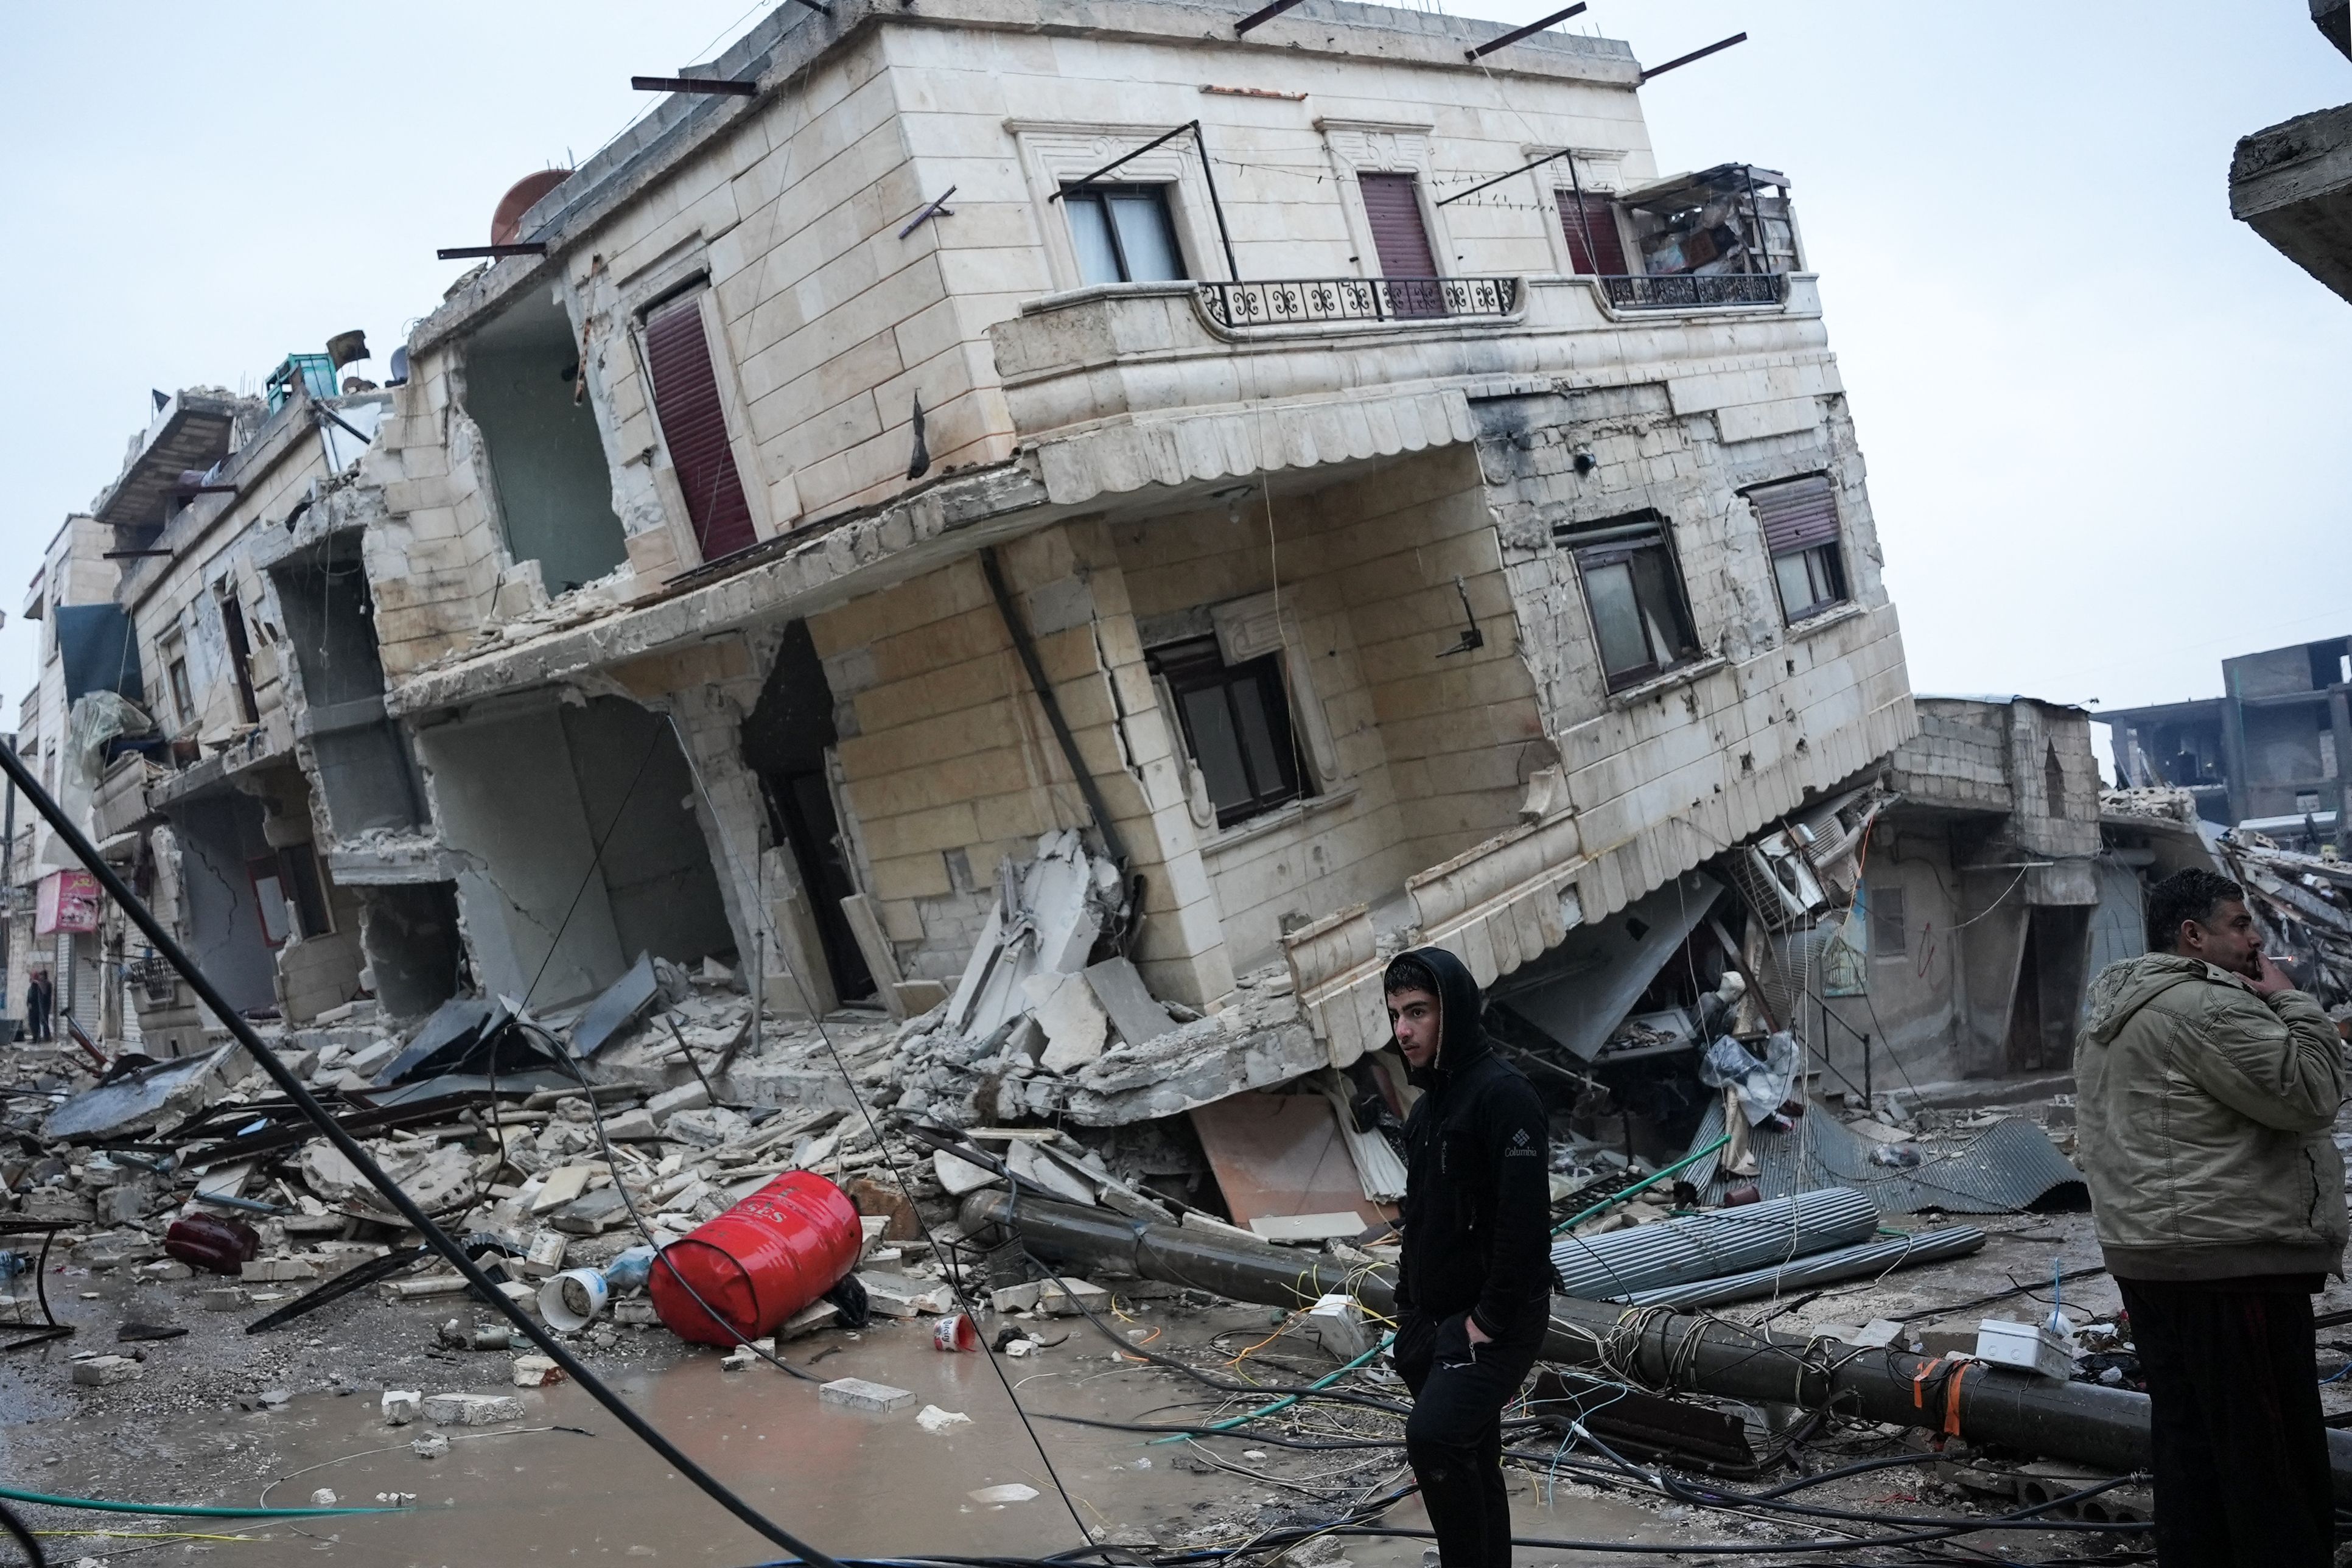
(2207,1090)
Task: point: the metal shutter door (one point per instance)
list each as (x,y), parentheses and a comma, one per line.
(1798,515)
(1394,209)
(694,427)
(1604,257)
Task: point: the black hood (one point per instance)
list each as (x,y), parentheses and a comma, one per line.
(1462,1037)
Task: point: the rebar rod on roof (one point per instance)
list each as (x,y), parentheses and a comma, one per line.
(1715,47)
(1515,33)
(1265,14)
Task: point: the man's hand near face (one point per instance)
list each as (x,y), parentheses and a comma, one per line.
(2267,978)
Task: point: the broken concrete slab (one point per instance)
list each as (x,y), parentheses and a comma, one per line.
(893,1295)
(140,1098)
(1039,1169)
(560,1186)
(957,1177)
(103,1371)
(472,1409)
(401,1405)
(1075,1023)
(685,1096)
(859,1393)
(536,1372)
(590,1214)
(621,1004)
(1139,1018)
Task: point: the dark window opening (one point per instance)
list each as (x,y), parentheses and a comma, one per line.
(183,695)
(1800,534)
(1633,591)
(2053,782)
(694,427)
(1236,725)
(525,392)
(1594,246)
(297,866)
(240,657)
(1123,234)
(785,740)
(1887,922)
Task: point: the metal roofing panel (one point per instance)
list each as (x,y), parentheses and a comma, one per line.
(2008,1167)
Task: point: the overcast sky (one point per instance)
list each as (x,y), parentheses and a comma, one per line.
(2104,423)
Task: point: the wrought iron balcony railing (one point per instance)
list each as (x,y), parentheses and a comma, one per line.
(1690,290)
(1306,301)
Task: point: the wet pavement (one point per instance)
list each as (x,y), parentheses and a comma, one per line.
(851,1482)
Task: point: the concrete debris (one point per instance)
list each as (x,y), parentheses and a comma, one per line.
(472,1409)
(432,1446)
(103,1371)
(931,1418)
(401,1405)
(859,1393)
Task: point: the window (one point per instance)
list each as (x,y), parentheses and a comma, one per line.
(1123,234)
(269,899)
(1800,533)
(1635,592)
(240,655)
(694,427)
(1887,922)
(1591,225)
(184,696)
(1237,724)
(297,866)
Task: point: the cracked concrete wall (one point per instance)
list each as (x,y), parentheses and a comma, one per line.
(433,556)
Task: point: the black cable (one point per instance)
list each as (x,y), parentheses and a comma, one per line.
(22,1537)
(357,1153)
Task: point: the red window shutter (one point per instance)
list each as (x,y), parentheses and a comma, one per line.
(1394,208)
(1603,255)
(1796,515)
(694,427)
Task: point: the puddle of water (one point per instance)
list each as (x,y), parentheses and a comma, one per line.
(850,1482)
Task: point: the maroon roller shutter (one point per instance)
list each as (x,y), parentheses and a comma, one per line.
(1603,254)
(694,427)
(1394,208)
(1797,515)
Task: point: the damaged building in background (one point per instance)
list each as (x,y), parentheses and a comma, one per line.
(1084,541)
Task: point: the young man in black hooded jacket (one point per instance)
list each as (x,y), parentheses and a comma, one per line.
(1474,1284)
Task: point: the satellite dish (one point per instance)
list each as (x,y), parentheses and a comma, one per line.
(505,223)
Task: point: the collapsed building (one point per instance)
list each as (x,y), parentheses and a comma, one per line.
(1349,491)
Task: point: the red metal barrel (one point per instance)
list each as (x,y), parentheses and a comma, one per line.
(758,1263)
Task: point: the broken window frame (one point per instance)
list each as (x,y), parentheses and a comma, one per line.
(1196,667)
(305,890)
(1642,544)
(1098,198)
(266,868)
(240,652)
(175,658)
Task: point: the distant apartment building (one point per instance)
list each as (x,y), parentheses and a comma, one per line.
(2269,753)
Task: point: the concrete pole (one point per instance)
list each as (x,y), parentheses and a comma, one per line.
(2083,1422)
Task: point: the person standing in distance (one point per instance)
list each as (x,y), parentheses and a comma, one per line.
(1474,1282)
(2207,1090)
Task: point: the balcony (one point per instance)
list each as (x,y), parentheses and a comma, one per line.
(1695,291)
(1123,385)
(1297,302)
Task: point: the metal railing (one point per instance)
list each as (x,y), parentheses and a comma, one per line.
(1310,299)
(1690,290)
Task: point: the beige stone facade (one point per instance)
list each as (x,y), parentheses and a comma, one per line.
(718,649)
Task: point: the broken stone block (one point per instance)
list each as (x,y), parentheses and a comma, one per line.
(560,1186)
(706,1128)
(743,1358)
(401,1405)
(432,1446)
(1014,1298)
(536,1372)
(1065,1297)
(222,1298)
(59,1204)
(807,1321)
(113,1248)
(957,1177)
(545,1255)
(166,1269)
(685,1096)
(1337,1324)
(126,1205)
(271,1271)
(889,1204)
(101,1371)
(273,1399)
(859,1393)
(474,1409)
(592,1213)
(1076,1025)
(632,1127)
(324,1497)
(892,1295)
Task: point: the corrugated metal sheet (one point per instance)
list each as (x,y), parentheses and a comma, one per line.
(1820,1268)
(1665,1252)
(2008,1167)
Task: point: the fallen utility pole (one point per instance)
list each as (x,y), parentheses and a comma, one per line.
(2084,1423)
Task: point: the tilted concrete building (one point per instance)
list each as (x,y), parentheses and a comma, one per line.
(1361,529)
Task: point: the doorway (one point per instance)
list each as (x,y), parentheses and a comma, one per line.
(786,744)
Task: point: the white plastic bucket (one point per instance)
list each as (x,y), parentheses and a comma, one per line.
(573,1300)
